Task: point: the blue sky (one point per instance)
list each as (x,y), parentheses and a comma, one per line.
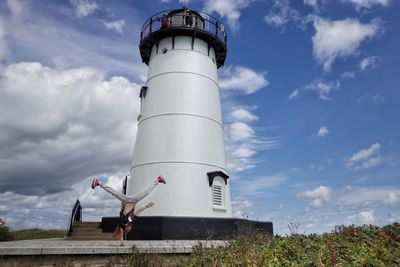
(309,96)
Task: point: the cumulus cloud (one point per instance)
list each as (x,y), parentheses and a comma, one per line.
(52,211)
(368,197)
(3,44)
(313,3)
(340,38)
(322,131)
(294,94)
(230,9)
(17,7)
(240,131)
(239,206)
(369,62)
(364,158)
(26,39)
(242,140)
(242,114)
(365,217)
(318,196)
(367,3)
(116,25)
(323,89)
(281,14)
(84,8)
(62,125)
(242,79)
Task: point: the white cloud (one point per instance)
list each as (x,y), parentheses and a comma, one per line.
(3,43)
(294,94)
(368,197)
(244,115)
(348,75)
(52,211)
(26,38)
(62,125)
(318,196)
(365,158)
(369,62)
(227,8)
(323,131)
(239,206)
(116,25)
(365,217)
(260,185)
(313,3)
(367,3)
(84,8)
(281,13)
(243,152)
(393,218)
(242,79)
(323,89)
(17,7)
(240,130)
(374,98)
(242,141)
(339,39)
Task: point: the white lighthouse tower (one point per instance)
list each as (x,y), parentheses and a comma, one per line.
(180,133)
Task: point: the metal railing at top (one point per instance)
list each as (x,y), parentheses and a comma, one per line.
(204,22)
(76,215)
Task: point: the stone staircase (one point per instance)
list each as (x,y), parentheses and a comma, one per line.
(88,231)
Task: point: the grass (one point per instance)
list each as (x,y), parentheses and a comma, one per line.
(30,234)
(366,245)
(352,246)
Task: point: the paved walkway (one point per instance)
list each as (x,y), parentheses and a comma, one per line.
(60,246)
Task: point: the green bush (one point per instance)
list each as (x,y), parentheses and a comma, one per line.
(353,246)
(5,234)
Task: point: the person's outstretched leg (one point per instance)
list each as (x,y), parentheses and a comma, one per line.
(136,198)
(123,198)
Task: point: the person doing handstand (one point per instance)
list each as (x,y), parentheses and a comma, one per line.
(128,214)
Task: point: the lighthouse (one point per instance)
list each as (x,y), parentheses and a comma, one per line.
(180,132)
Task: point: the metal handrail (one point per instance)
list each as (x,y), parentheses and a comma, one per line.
(210,24)
(76,215)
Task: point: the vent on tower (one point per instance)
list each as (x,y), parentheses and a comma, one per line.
(217,195)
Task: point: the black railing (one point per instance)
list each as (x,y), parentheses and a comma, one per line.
(76,216)
(170,19)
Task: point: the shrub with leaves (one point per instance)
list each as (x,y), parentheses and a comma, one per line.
(5,234)
(352,246)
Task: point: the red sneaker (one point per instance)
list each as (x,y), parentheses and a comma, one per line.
(96,182)
(161,179)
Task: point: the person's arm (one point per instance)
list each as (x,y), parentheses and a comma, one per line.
(143,208)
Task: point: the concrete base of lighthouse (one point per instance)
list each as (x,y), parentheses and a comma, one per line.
(188,228)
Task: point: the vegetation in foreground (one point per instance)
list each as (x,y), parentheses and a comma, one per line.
(351,246)
(6,235)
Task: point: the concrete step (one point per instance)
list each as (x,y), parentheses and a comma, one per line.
(108,236)
(88,231)
(87,224)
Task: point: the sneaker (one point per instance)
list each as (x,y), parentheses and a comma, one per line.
(96,182)
(161,179)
